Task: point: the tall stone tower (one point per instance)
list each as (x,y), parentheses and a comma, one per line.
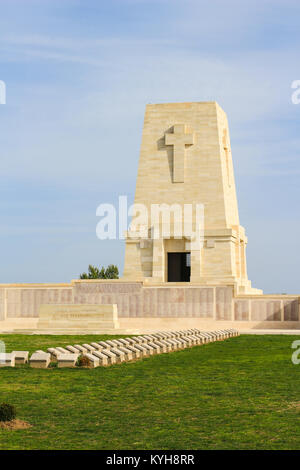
(186,165)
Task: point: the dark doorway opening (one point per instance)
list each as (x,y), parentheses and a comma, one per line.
(179,267)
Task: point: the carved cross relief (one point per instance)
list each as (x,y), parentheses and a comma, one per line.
(227,156)
(179,139)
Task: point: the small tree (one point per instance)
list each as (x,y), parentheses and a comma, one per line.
(7,412)
(111,272)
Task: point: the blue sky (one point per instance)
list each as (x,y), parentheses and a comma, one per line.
(78,77)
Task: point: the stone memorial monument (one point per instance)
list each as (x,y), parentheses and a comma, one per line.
(186,163)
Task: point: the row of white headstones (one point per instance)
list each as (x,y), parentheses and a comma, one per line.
(105,353)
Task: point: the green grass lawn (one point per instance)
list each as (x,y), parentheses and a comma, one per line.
(242,393)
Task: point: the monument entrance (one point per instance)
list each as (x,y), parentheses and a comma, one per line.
(179,267)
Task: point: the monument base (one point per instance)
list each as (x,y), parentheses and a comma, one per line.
(78,317)
(120,307)
(138,326)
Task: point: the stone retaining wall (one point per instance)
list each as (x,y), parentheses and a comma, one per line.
(137,300)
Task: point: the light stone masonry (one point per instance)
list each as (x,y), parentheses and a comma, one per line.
(89,347)
(119,350)
(104,344)
(112,357)
(96,345)
(74,350)
(67,360)
(144,351)
(62,350)
(54,352)
(21,357)
(186,158)
(120,355)
(93,361)
(76,317)
(40,360)
(7,360)
(80,348)
(104,360)
(137,354)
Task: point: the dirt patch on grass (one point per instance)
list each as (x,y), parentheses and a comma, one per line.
(14,424)
(295,405)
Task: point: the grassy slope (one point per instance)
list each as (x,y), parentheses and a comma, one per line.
(241,393)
